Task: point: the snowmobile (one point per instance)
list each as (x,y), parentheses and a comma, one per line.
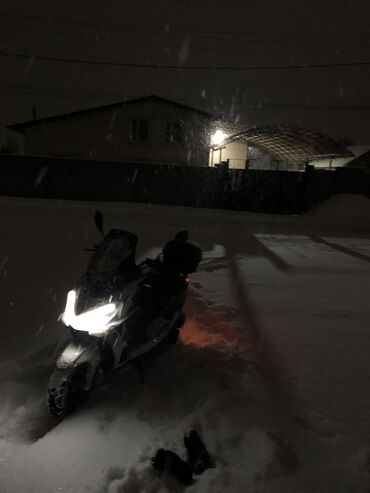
(119,312)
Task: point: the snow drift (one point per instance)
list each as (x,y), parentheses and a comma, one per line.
(344,208)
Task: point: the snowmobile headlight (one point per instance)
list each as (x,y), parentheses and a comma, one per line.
(96,321)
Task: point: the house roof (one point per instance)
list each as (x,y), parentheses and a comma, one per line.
(287,142)
(362,161)
(22,126)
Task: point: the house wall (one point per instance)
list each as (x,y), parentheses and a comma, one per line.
(339,162)
(236,153)
(328,163)
(104,134)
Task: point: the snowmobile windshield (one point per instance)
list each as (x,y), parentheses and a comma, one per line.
(115,253)
(95,286)
(110,257)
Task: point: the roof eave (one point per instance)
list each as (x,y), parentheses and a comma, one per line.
(21,127)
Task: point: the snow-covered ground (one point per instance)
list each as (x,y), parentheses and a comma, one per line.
(272,369)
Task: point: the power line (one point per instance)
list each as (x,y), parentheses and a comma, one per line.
(167,31)
(186,67)
(194,48)
(31,92)
(253,104)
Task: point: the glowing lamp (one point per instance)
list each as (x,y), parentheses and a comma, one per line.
(218,137)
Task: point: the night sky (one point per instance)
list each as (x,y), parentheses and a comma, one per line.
(93,52)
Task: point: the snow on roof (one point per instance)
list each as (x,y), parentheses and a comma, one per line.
(362,161)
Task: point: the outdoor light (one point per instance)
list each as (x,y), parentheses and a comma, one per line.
(218,137)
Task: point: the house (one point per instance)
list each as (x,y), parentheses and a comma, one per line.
(148,130)
(156,130)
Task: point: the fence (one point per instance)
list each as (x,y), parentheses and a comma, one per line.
(283,192)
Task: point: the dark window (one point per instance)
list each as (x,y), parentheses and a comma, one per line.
(174,133)
(139,131)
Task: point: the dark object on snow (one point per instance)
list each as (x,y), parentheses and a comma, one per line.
(198,456)
(165,460)
(181,254)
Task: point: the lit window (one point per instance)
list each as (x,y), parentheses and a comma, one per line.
(139,131)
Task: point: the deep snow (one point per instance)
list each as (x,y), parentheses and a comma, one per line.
(272,368)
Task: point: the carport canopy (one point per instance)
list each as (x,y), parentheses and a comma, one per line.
(286,142)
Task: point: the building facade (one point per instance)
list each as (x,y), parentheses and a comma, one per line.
(147,130)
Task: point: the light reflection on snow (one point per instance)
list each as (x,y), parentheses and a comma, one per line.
(193,334)
(210,327)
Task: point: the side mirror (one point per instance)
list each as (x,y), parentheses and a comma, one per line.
(99,221)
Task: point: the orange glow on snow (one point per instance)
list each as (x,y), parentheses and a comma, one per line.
(223,335)
(191,333)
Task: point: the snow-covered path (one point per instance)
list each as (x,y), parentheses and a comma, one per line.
(272,369)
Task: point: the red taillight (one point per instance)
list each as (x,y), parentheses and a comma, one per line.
(185,279)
